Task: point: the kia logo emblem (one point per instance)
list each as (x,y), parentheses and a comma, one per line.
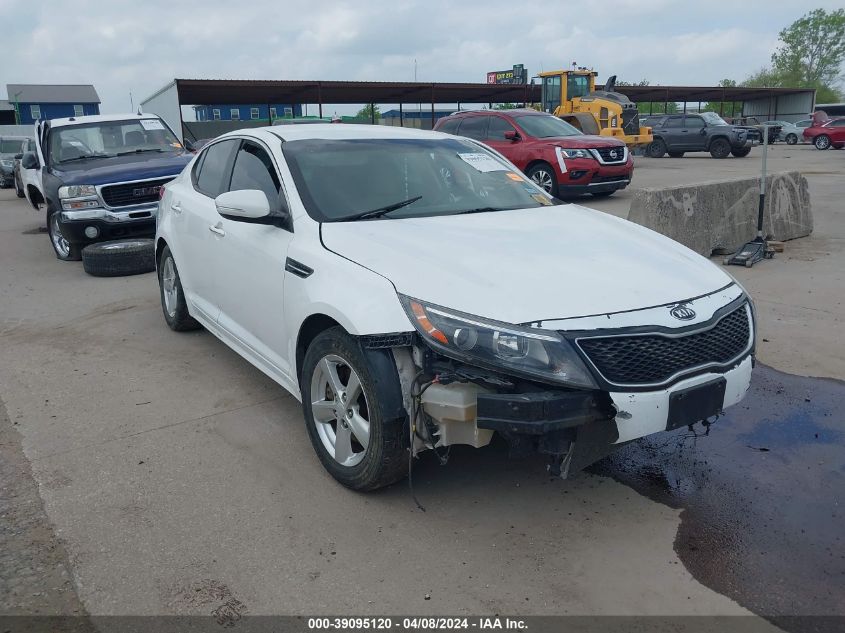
(613,153)
(682,313)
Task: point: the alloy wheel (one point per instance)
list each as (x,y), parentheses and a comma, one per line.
(543,179)
(169,287)
(61,244)
(339,410)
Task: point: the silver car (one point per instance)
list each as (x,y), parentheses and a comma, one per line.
(792,133)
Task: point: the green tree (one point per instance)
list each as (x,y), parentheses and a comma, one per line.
(369,112)
(812,49)
(654,107)
(506,106)
(727,108)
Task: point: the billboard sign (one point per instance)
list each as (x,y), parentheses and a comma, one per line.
(516,75)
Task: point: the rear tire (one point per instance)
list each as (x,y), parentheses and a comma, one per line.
(822,142)
(742,152)
(720,148)
(64,250)
(119,258)
(676,154)
(656,149)
(791,139)
(173,303)
(544,176)
(346,396)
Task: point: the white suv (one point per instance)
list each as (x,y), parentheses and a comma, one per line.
(414,290)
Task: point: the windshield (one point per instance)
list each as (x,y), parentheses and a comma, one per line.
(11,146)
(712,118)
(540,126)
(110,138)
(338,179)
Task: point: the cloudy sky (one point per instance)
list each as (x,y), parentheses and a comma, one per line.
(139,46)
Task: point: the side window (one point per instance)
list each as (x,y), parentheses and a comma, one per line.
(695,122)
(838,123)
(255,170)
(498,127)
(213,170)
(675,121)
(449,126)
(474,127)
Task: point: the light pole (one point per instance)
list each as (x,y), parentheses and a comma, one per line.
(17,107)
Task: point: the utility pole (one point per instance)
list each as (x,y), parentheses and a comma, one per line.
(17,107)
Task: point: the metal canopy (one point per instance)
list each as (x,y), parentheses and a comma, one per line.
(691,94)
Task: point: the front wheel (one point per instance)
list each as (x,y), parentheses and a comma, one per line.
(720,148)
(741,152)
(65,251)
(544,176)
(791,139)
(352,426)
(822,141)
(173,302)
(656,149)
(18,188)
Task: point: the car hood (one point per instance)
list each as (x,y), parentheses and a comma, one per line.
(101,171)
(529,264)
(582,141)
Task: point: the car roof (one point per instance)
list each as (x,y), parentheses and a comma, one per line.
(512,112)
(99,118)
(336,131)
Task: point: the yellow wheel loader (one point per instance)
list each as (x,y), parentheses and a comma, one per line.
(572,96)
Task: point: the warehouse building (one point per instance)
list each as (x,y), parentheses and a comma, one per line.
(32,102)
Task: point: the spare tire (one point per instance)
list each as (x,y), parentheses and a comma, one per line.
(119,258)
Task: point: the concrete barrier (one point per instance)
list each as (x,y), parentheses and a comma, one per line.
(721,216)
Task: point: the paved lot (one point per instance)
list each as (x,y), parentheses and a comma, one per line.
(178,478)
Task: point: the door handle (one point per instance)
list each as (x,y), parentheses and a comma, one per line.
(176,208)
(217,230)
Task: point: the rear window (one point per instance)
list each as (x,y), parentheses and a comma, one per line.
(545,126)
(448,126)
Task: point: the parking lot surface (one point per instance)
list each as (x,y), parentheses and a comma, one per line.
(175,477)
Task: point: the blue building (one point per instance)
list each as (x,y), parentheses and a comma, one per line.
(235,112)
(42,101)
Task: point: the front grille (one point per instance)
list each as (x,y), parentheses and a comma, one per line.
(655,358)
(607,157)
(631,121)
(129,193)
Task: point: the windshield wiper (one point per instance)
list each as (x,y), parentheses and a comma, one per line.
(139,151)
(377,213)
(84,157)
(481,210)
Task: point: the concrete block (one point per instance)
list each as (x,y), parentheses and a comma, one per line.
(721,216)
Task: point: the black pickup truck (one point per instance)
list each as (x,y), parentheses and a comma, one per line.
(677,134)
(99,177)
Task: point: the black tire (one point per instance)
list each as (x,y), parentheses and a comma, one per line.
(385,458)
(18,188)
(119,258)
(741,152)
(656,149)
(791,139)
(543,175)
(602,194)
(64,250)
(720,148)
(676,154)
(176,313)
(822,142)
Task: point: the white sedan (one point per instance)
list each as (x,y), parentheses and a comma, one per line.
(415,290)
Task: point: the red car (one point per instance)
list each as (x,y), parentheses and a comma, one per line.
(831,133)
(555,155)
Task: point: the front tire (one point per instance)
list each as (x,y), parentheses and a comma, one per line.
(65,251)
(791,139)
(345,401)
(822,141)
(173,302)
(18,188)
(657,148)
(741,152)
(720,148)
(544,176)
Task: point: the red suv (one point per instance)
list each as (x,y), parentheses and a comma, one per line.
(555,155)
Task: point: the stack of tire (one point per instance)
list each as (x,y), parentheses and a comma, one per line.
(119,258)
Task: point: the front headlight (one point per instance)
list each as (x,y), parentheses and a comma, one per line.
(575,153)
(77,191)
(529,352)
(7,164)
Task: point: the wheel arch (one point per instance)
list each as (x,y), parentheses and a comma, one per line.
(310,328)
(34,196)
(716,137)
(539,161)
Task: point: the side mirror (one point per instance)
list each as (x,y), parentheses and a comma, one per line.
(189,146)
(18,156)
(512,135)
(251,206)
(29,161)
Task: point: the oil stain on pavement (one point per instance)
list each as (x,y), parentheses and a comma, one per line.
(762,498)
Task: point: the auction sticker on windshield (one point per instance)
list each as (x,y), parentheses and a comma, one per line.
(482,162)
(151,124)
